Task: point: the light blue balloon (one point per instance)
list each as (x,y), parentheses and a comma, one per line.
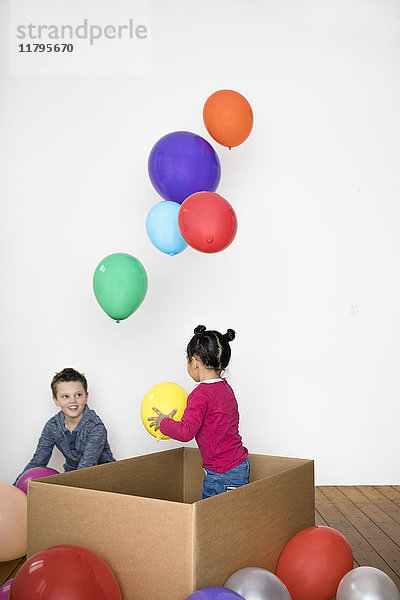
(162,228)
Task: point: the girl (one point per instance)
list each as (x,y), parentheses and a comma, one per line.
(211,414)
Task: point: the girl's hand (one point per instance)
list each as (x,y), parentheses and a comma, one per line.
(161,416)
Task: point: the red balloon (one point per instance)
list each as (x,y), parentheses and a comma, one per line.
(65,573)
(207,222)
(313,563)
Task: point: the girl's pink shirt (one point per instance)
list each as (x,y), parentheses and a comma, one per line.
(212,417)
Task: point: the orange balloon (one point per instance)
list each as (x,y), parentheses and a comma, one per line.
(313,563)
(228,118)
(13,504)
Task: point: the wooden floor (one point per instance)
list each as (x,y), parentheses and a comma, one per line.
(368,517)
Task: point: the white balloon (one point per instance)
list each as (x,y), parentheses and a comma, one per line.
(367,583)
(254,583)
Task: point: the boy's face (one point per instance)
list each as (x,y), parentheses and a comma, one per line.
(71,398)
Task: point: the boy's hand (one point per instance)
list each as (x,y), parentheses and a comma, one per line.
(161,416)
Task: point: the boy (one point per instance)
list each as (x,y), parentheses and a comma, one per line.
(76,430)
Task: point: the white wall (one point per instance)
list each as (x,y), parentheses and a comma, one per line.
(316,191)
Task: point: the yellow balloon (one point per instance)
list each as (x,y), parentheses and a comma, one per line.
(164,396)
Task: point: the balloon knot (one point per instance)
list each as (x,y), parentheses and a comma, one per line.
(118,321)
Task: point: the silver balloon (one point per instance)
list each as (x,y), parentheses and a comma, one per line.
(367,583)
(254,583)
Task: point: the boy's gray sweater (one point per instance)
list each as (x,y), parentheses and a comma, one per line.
(91,445)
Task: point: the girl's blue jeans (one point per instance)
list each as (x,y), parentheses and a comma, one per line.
(216,483)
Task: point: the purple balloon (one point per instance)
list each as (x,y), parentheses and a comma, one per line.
(182,163)
(34,473)
(5,589)
(215,593)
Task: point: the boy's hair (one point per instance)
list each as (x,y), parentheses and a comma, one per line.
(68,374)
(211,347)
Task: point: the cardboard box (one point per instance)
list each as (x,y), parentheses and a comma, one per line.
(144,516)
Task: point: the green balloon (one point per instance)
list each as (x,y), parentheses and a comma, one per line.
(120,285)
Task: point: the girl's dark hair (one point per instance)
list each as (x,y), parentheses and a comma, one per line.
(211,347)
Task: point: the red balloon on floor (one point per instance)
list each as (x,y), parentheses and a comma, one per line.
(207,222)
(65,573)
(313,563)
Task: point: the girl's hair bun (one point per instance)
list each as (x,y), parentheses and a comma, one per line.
(229,335)
(211,347)
(200,329)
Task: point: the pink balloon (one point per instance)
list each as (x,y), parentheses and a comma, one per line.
(35,473)
(5,589)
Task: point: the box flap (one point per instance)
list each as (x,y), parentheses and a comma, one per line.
(137,537)
(264,466)
(158,475)
(193,475)
(253,521)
